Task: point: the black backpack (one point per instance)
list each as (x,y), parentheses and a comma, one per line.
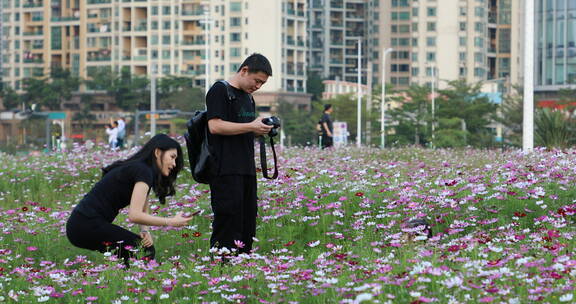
(203,163)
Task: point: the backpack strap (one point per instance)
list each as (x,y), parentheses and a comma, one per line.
(231,95)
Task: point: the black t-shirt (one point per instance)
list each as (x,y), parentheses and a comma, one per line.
(328,120)
(114,191)
(234,153)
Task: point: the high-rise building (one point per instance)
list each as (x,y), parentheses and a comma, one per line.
(555,53)
(449,40)
(168,37)
(334,28)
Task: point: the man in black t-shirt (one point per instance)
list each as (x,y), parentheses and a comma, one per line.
(233,125)
(327,127)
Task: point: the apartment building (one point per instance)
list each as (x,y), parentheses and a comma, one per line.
(334,28)
(555,53)
(165,37)
(475,40)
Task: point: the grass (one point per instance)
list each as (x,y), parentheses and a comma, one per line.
(329,230)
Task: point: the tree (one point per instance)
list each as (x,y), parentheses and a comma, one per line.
(85,117)
(179,93)
(314,86)
(129,91)
(38,91)
(10,98)
(412,118)
(298,125)
(511,116)
(466,102)
(62,84)
(187,100)
(553,129)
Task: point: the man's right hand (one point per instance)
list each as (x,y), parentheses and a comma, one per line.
(259,128)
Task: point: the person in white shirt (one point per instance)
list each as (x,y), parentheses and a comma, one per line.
(112,131)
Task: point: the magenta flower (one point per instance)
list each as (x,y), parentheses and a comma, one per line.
(238,244)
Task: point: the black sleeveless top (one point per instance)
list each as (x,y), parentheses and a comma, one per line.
(114,191)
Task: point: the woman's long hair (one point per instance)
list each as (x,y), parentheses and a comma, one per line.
(163,185)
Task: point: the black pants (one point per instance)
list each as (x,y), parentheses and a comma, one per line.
(327,141)
(98,234)
(234,205)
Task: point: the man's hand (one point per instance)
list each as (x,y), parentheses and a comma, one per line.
(259,128)
(146,239)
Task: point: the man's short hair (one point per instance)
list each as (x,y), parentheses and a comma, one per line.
(257,63)
(327,107)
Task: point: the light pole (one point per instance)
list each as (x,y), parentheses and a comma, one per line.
(153,101)
(207,50)
(528,112)
(433,101)
(383,100)
(359,124)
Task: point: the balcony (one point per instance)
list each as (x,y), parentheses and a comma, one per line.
(37,18)
(337,4)
(192,12)
(140,58)
(290,40)
(300,41)
(141,27)
(33,60)
(37,33)
(99,1)
(64,19)
(32,4)
(196,42)
(99,58)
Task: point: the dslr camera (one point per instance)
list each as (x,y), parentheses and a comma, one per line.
(274,122)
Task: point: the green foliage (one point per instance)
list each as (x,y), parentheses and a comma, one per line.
(511,116)
(314,86)
(463,101)
(553,129)
(85,117)
(175,92)
(450,134)
(411,120)
(130,92)
(10,98)
(298,125)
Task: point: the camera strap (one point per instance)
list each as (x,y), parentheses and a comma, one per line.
(262,141)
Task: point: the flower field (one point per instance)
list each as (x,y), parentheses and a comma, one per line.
(331,229)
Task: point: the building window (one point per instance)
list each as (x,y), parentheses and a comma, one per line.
(235,6)
(235,37)
(430,41)
(431,56)
(431,26)
(235,21)
(166,11)
(235,52)
(166,39)
(462,26)
(431,12)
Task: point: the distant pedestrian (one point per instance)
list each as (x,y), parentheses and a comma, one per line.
(121,132)
(112,131)
(326,127)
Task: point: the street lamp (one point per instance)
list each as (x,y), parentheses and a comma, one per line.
(528,112)
(359,105)
(382,99)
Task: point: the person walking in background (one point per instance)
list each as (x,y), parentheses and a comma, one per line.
(112,131)
(121,132)
(128,183)
(233,126)
(327,127)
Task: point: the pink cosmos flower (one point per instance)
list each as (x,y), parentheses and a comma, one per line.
(238,244)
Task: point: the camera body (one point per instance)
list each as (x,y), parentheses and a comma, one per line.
(274,122)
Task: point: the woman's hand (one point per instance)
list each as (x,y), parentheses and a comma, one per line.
(179,220)
(146,238)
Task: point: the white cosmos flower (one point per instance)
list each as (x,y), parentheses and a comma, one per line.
(566,298)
